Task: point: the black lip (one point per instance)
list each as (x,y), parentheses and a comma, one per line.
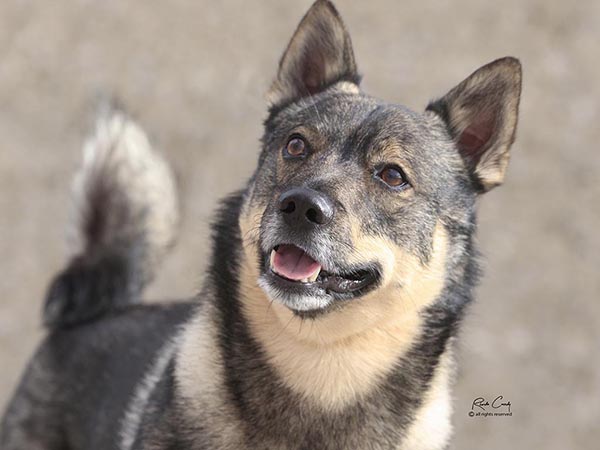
(342,285)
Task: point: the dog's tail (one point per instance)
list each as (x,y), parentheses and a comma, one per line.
(125,218)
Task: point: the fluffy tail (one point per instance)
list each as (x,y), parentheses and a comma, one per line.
(125,218)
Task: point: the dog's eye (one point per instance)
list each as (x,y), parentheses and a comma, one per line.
(295,148)
(392,176)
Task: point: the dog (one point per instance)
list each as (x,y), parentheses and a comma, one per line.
(338,278)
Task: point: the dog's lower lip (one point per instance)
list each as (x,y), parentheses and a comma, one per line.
(348,283)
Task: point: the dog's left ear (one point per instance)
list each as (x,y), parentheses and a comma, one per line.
(318,55)
(481,116)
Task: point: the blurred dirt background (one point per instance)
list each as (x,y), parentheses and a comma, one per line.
(194,74)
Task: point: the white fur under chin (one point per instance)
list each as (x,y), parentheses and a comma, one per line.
(298,303)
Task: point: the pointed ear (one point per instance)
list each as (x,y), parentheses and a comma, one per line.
(481,116)
(318,55)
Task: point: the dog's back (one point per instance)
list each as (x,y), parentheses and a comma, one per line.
(82,379)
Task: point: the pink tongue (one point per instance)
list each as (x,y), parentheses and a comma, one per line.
(293,263)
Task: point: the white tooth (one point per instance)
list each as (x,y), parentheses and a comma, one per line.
(272,259)
(314,276)
(304,280)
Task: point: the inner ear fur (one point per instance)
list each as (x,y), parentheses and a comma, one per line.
(481,116)
(318,55)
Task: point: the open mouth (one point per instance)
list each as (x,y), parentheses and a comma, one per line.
(296,269)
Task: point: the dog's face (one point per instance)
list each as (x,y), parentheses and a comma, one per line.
(349,188)
(355,199)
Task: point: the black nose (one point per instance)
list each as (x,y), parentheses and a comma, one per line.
(303,206)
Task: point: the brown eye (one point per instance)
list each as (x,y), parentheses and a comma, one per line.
(392,176)
(295,148)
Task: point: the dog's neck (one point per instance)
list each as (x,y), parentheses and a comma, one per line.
(287,388)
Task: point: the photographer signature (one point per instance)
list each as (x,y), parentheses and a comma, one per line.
(497,403)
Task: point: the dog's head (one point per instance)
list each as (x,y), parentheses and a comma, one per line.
(358,200)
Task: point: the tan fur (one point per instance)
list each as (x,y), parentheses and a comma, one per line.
(346,87)
(200,382)
(335,359)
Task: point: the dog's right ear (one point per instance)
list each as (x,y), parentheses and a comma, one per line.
(318,55)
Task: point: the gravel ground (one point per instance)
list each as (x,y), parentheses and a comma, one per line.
(194,73)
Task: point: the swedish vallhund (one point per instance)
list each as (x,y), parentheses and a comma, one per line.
(338,278)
